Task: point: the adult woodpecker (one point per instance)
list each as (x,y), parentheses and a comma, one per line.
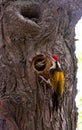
(56,81)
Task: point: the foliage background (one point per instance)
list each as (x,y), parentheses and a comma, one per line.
(78,31)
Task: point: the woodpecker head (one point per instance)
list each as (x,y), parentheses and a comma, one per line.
(55,57)
(55,63)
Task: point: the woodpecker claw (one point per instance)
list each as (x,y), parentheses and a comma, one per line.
(43,78)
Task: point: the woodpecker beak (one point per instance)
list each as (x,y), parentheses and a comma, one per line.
(41,63)
(52,59)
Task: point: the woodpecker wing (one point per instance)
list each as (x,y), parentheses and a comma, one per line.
(57,82)
(60,87)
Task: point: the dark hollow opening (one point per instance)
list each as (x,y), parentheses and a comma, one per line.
(32,12)
(40,64)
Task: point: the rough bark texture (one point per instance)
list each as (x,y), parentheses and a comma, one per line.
(28,28)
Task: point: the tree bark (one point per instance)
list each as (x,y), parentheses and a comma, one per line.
(29,28)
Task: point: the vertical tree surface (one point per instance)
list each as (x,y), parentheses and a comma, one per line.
(29,28)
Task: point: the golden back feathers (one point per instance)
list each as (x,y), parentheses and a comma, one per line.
(57,82)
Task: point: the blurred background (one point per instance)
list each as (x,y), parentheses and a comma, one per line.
(78,32)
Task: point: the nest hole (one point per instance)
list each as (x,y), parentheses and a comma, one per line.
(32,12)
(40,64)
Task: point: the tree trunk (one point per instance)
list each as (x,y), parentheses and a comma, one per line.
(29,28)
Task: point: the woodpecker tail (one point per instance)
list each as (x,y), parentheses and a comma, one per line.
(55,101)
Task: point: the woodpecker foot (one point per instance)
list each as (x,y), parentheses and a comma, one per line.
(43,79)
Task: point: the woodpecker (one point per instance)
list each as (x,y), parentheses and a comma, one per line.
(56,81)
